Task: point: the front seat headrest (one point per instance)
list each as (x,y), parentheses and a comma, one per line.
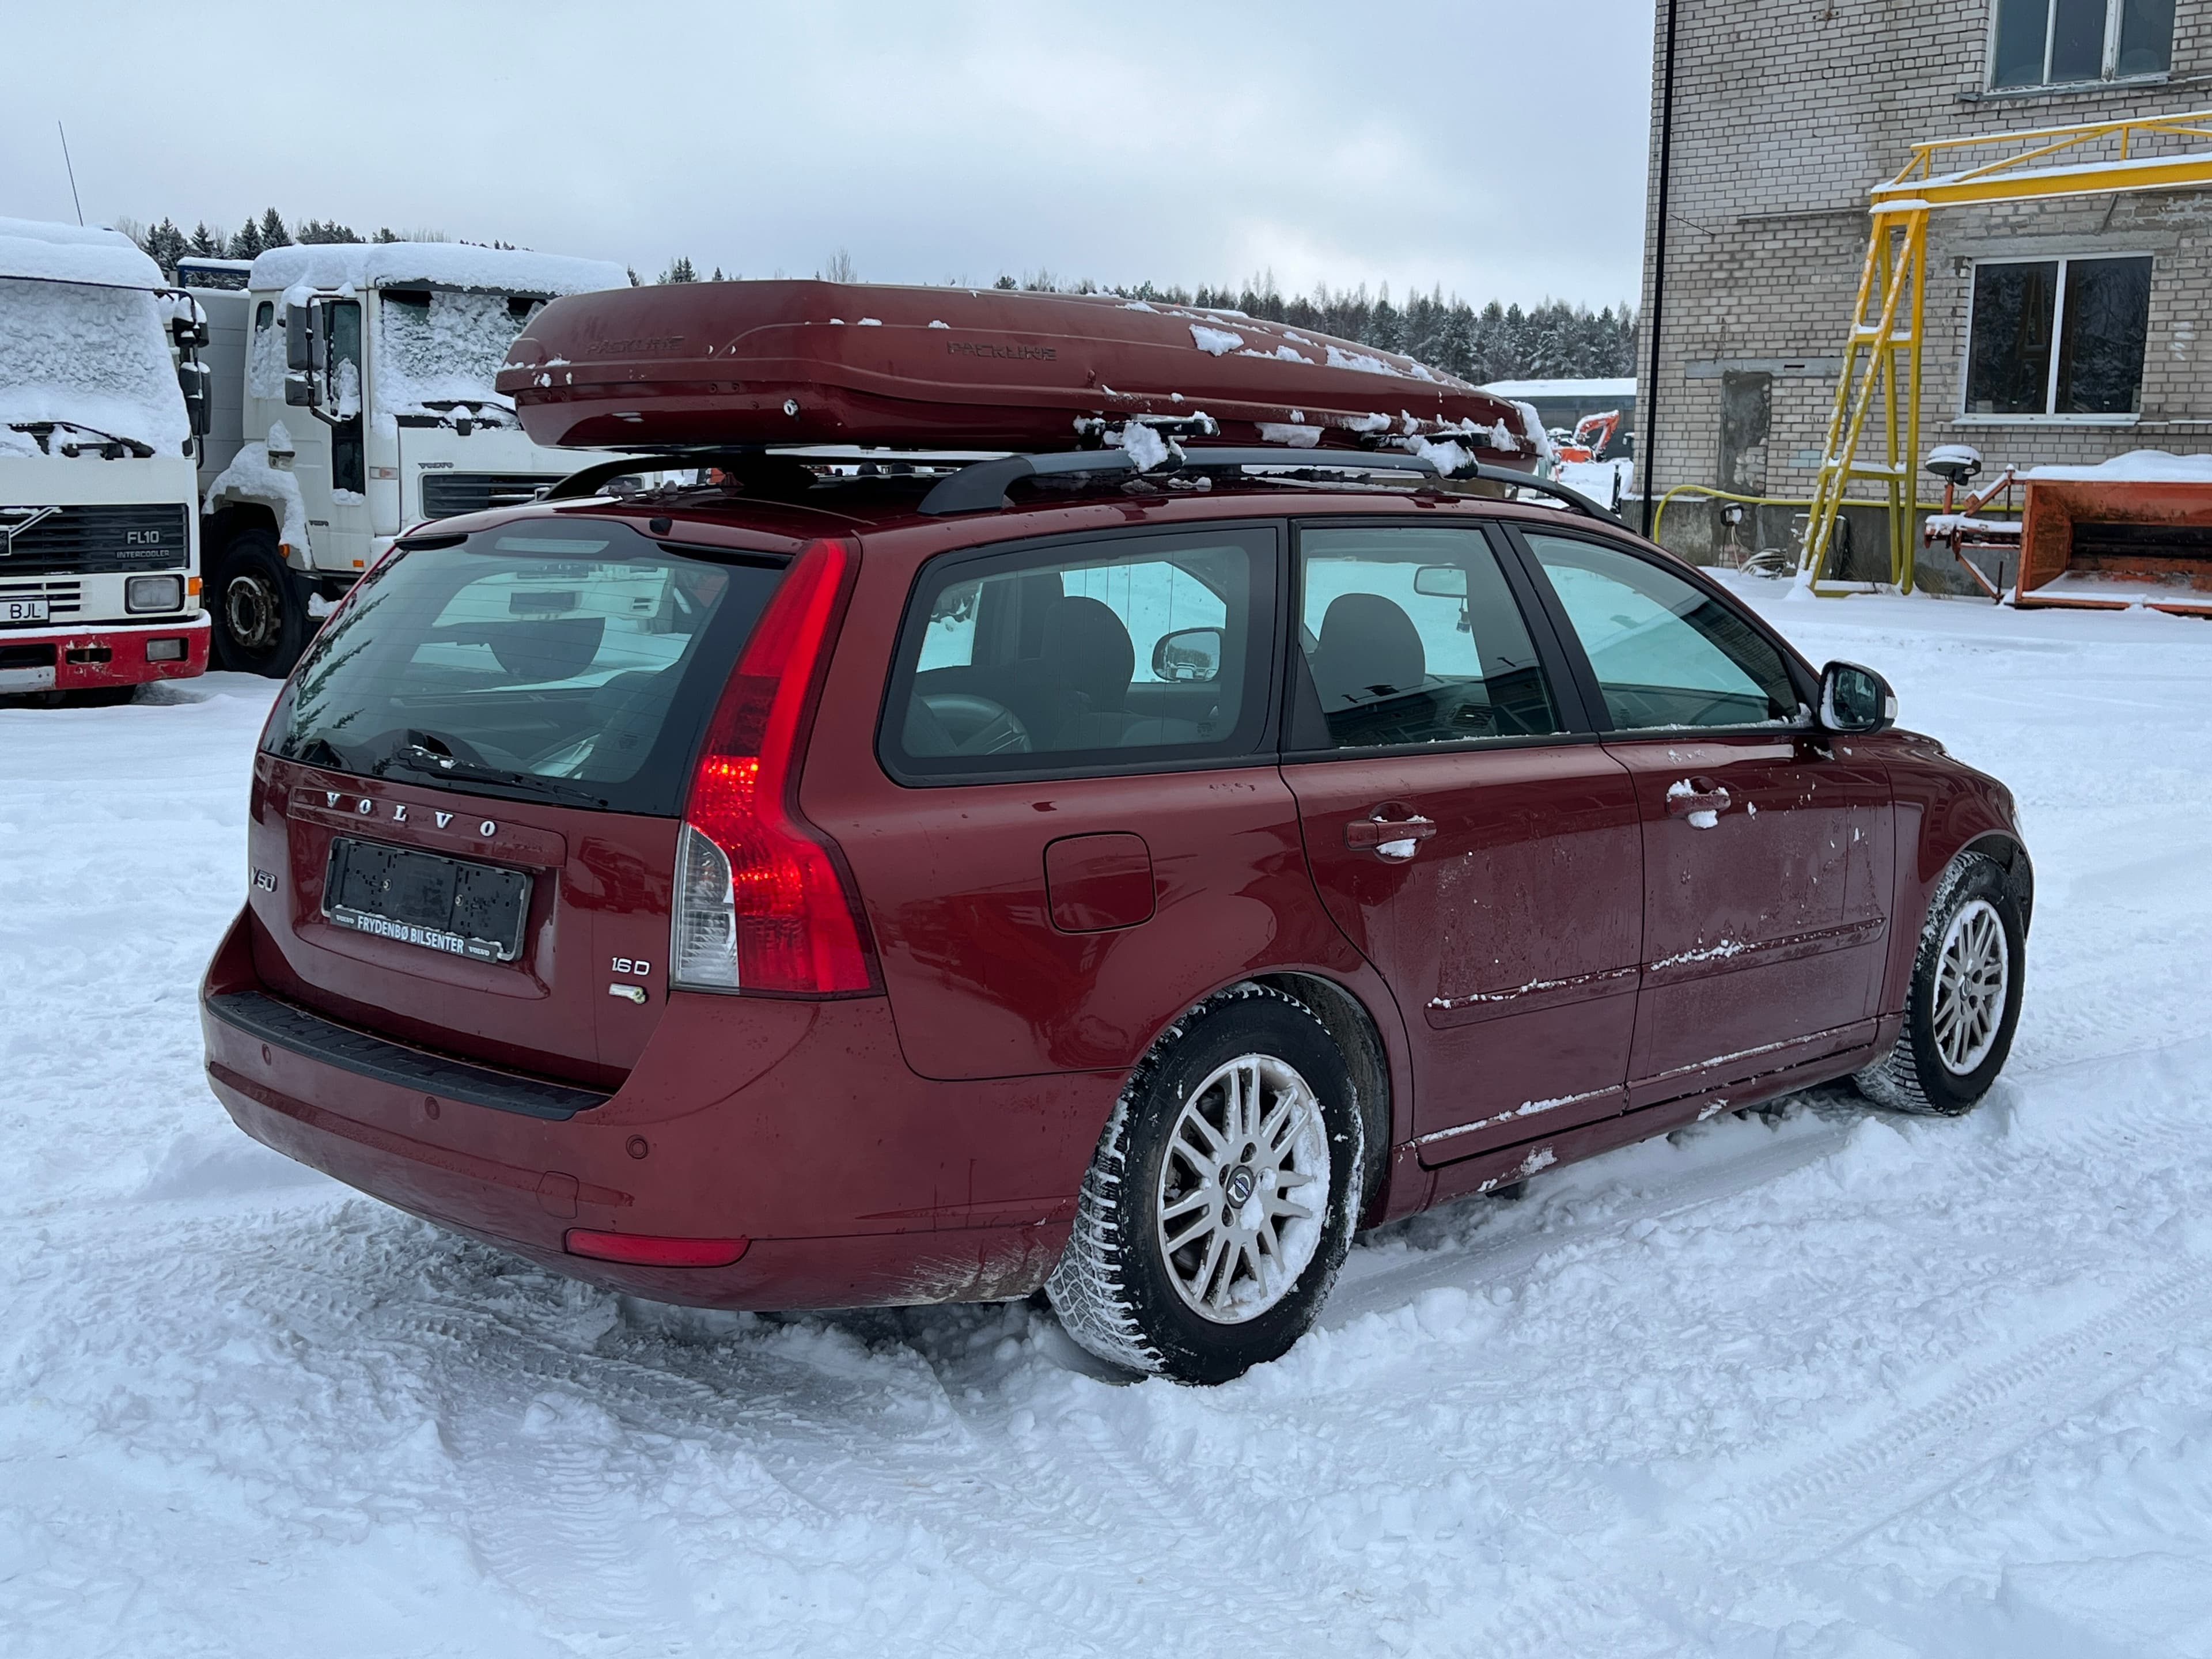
(1369,649)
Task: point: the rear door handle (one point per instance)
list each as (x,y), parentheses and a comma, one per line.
(1395,839)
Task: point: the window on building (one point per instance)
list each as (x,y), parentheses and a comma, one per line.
(2036,43)
(2057,337)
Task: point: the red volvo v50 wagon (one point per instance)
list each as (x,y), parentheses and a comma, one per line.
(803,890)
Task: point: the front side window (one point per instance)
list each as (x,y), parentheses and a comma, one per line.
(1667,655)
(2058,337)
(1118,650)
(568,662)
(1411,635)
(2036,43)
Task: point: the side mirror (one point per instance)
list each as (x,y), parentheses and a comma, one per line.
(1194,653)
(300,391)
(192,380)
(1855,701)
(1441,581)
(299,337)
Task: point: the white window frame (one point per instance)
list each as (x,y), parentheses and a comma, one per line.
(2048,418)
(2108,62)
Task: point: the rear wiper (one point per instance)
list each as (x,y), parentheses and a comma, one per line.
(435,763)
(318,752)
(112,448)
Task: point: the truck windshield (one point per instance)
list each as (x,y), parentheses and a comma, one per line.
(438,348)
(84,357)
(573,661)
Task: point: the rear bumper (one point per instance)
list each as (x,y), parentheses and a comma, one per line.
(796,1125)
(103,655)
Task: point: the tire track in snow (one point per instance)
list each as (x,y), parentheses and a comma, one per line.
(1834,1496)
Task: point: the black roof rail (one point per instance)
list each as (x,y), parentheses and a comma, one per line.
(982,486)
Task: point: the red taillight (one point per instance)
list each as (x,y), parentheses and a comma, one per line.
(762,901)
(644,1250)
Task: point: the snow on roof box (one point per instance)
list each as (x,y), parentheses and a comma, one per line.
(807,362)
(363,265)
(33,249)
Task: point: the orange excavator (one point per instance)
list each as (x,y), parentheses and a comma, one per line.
(1593,435)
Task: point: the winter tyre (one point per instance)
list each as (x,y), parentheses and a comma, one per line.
(260,613)
(1963,1004)
(1223,1195)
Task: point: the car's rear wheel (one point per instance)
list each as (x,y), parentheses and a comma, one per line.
(1222,1197)
(1964,1005)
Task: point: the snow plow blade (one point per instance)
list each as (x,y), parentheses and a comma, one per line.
(2113,543)
(815,362)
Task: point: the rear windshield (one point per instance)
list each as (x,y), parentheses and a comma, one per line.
(573,661)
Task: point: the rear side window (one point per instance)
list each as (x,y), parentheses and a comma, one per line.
(570,661)
(1115,651)
(1667,655)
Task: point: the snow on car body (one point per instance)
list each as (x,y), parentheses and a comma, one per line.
(355,399)
(99,586)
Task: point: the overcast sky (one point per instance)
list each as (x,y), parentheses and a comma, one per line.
(1495,148)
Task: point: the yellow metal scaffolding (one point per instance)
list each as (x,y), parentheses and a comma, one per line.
(1883,351)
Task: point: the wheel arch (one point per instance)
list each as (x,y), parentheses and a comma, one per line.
(2005,850)
(1359,1038)
(229,521)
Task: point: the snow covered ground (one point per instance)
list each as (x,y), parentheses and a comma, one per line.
(1822,1382)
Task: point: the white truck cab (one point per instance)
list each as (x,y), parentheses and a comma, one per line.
(364,407)
(100,588)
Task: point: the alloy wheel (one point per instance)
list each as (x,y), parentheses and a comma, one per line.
(1973,976)
(1242,1188)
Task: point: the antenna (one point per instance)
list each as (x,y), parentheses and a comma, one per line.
(71,165)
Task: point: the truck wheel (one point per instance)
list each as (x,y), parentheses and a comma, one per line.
(260,614)
(1964,1005)
(1221,1200)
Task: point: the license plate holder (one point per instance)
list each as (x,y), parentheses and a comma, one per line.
(24,611)
(453,905)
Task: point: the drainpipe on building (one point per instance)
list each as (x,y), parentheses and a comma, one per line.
(1647,412)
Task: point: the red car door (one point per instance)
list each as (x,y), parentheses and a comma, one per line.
(1486,862)
(1767,850)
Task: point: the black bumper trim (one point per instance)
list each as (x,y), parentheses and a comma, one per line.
(291,1027)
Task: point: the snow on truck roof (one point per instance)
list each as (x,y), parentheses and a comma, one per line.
(1525,389)
(35,249)
(444,265)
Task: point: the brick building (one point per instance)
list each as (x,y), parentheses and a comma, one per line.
(2055,331)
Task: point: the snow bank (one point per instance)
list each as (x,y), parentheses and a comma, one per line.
(37,251)
(95,355)
(364,265)
(2136,467)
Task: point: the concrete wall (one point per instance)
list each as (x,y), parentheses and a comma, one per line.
(1786,113)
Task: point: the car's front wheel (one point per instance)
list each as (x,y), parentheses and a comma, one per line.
(1963,1004)
(1222,1197)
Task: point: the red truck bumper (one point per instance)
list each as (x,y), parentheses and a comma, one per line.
(103,655)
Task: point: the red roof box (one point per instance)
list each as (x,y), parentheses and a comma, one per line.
(814,362)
